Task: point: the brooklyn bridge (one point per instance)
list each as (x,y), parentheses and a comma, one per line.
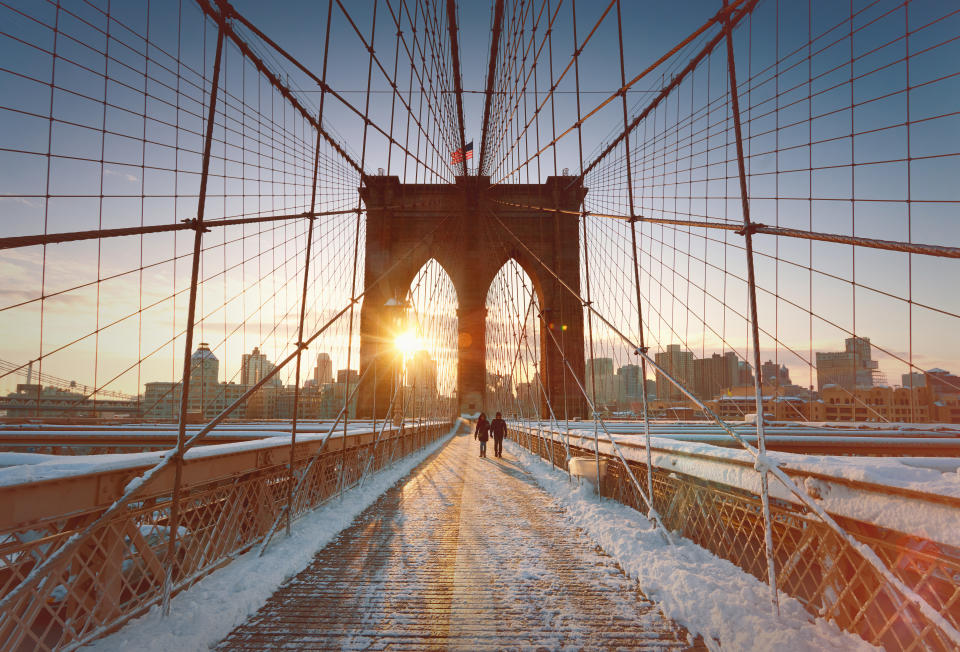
(270,270)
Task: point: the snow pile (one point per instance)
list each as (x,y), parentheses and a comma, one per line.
(926,475)
(16,459)
(707,595)
(205,613)
(21,468)
(874,499)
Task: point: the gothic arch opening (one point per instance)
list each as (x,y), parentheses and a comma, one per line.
(426,340)
(408,224)
(513,381)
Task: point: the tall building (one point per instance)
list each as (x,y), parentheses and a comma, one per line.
(204,366)
(207,398)
(422,375)
(204,381)
(629,386)
(942,382)
(712,375)
(600,371)
(651,385)
(351,375)
(851,368)
(323,372)
(915,379)
(677,363)
(161,400)
(333,396)
(773,374)
(254,367)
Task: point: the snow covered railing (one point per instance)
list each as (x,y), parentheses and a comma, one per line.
(863,439)
(905,511)
(100,440)
(877,439)
(230,496)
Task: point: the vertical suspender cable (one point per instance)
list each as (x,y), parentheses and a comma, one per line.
(306,279)
(188,343)
(636,262)
(755,327)
(586,256)
(356,254)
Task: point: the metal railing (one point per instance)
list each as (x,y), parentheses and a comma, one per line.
(132,439)
(830,577)
(230,498)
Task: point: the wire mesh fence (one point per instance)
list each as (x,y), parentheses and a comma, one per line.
(829,577)
(229,503)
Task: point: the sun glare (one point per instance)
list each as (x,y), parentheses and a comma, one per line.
(407,343)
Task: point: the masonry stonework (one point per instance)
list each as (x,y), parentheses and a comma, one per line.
(408,224)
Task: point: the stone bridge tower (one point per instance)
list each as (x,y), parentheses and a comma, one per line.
(472,247)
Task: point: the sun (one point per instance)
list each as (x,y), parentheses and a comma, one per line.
(407,343)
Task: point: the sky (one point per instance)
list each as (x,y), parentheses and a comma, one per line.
(112,311)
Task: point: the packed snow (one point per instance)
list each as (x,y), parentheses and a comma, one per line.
(865,488)
(709,596)
(21,468)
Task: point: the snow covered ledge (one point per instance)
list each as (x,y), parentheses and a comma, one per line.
(915,496)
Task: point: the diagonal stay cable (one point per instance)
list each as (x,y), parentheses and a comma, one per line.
(457,82)
(491,71)
(942,251)
(185,225)
(131,490)
(728,10)
(763,463)
(221,19)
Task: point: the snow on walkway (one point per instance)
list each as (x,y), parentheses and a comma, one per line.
(711,597)
(468,554)
(206,612)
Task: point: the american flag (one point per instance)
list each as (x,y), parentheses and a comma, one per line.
(465,152)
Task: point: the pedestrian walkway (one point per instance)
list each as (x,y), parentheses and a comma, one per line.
(466,553)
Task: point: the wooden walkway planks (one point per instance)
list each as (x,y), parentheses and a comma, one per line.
(465,553)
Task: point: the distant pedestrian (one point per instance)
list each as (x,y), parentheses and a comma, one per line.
(499,428)
(482,433)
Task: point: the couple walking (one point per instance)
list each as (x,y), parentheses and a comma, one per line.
(497,427)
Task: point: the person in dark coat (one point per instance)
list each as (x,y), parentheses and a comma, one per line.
(499,429)
(482,433)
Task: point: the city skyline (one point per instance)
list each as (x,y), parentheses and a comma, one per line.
(285,377)
(110,313)
(698,269)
